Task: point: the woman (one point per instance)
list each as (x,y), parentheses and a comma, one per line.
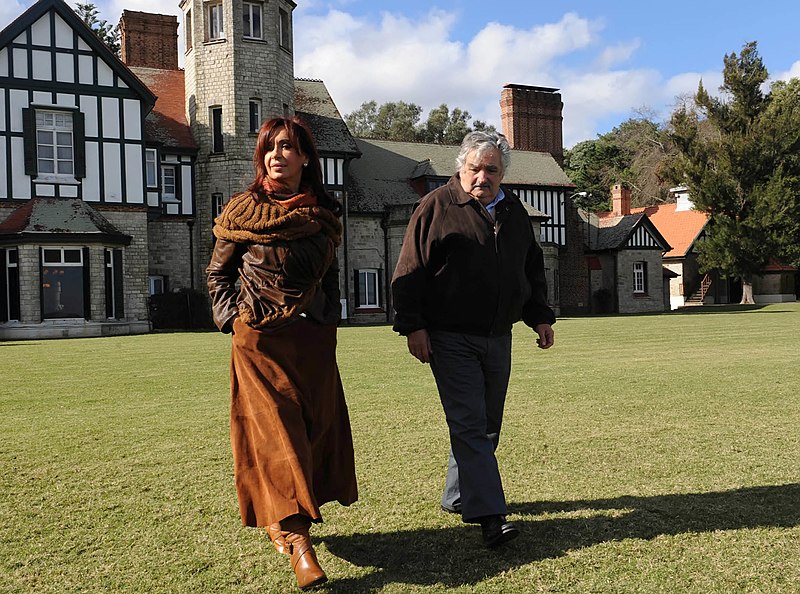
(290,430)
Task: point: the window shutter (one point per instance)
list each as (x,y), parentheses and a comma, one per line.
(3,287)
(29,140)
(79,143)
(119,297)
(87,312)
(379,297)
(109,283)
(355,288)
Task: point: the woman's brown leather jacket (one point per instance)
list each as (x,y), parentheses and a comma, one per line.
(271,284)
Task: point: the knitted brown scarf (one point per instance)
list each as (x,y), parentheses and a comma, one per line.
(249,218)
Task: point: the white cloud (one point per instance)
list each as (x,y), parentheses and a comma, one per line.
(397,59)
(390,57)
(11,9)
(616,54)
(793,72)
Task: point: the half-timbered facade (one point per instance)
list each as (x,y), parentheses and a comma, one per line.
(71,132)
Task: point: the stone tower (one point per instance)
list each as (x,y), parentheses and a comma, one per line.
(239,71)
(532,119)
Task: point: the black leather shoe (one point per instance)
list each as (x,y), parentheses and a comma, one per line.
(452,510)
(497,530)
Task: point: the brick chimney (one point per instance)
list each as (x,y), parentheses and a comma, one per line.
(149,40)
(532,119)
(620,200)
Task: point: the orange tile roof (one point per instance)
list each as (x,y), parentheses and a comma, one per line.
(679,228)
(166,123)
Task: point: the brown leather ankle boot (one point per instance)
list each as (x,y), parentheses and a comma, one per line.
(303,557)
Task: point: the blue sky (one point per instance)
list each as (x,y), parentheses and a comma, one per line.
(610,59)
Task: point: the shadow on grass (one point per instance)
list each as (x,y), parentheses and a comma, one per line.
(456,557)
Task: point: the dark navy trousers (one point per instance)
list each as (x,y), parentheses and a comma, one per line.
(472,373)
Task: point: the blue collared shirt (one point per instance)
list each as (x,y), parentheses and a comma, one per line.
(493,203)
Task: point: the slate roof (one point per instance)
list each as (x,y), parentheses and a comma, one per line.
(57,219)
(314,105)
(381,176)
(613,232)
(166,123)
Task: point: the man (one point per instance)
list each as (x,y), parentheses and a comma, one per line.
(469,268)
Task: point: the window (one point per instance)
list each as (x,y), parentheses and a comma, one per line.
(284,32)
(9,284)
(214,28)
(251,18)
(286,112)
(157,284)
(63,289)
(168,187)
(432,184)
(218,203)
(255,115)
(54,143)
(640,277)
(114,296)
(368,287)
(217,145)
(187,29)
(151,167)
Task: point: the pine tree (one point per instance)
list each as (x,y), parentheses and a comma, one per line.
(738,155)
(107,33)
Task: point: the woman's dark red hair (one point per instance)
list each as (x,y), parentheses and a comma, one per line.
(302,138)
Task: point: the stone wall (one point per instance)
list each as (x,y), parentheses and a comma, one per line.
(134,262)
(366,249)
(170,256)
(653,299)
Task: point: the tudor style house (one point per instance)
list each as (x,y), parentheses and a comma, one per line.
(73,200)
(625,254)
(116,168)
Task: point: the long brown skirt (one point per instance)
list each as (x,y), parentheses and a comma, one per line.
(290,431)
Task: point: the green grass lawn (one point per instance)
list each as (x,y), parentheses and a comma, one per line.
(654,453)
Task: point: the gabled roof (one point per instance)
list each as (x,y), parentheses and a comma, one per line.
(42,7)
(613,233)
(166,123)
(59,219)
(314,105)
(380,177)
(681,228)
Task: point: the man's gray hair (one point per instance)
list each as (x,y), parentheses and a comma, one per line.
(480,142)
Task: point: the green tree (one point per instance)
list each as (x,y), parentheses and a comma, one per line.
(635,153)
(107,33)
(361,122)
(397,121)
(739,157)
(400,121)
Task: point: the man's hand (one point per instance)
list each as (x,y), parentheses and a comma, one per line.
(545,332)
(419,345)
